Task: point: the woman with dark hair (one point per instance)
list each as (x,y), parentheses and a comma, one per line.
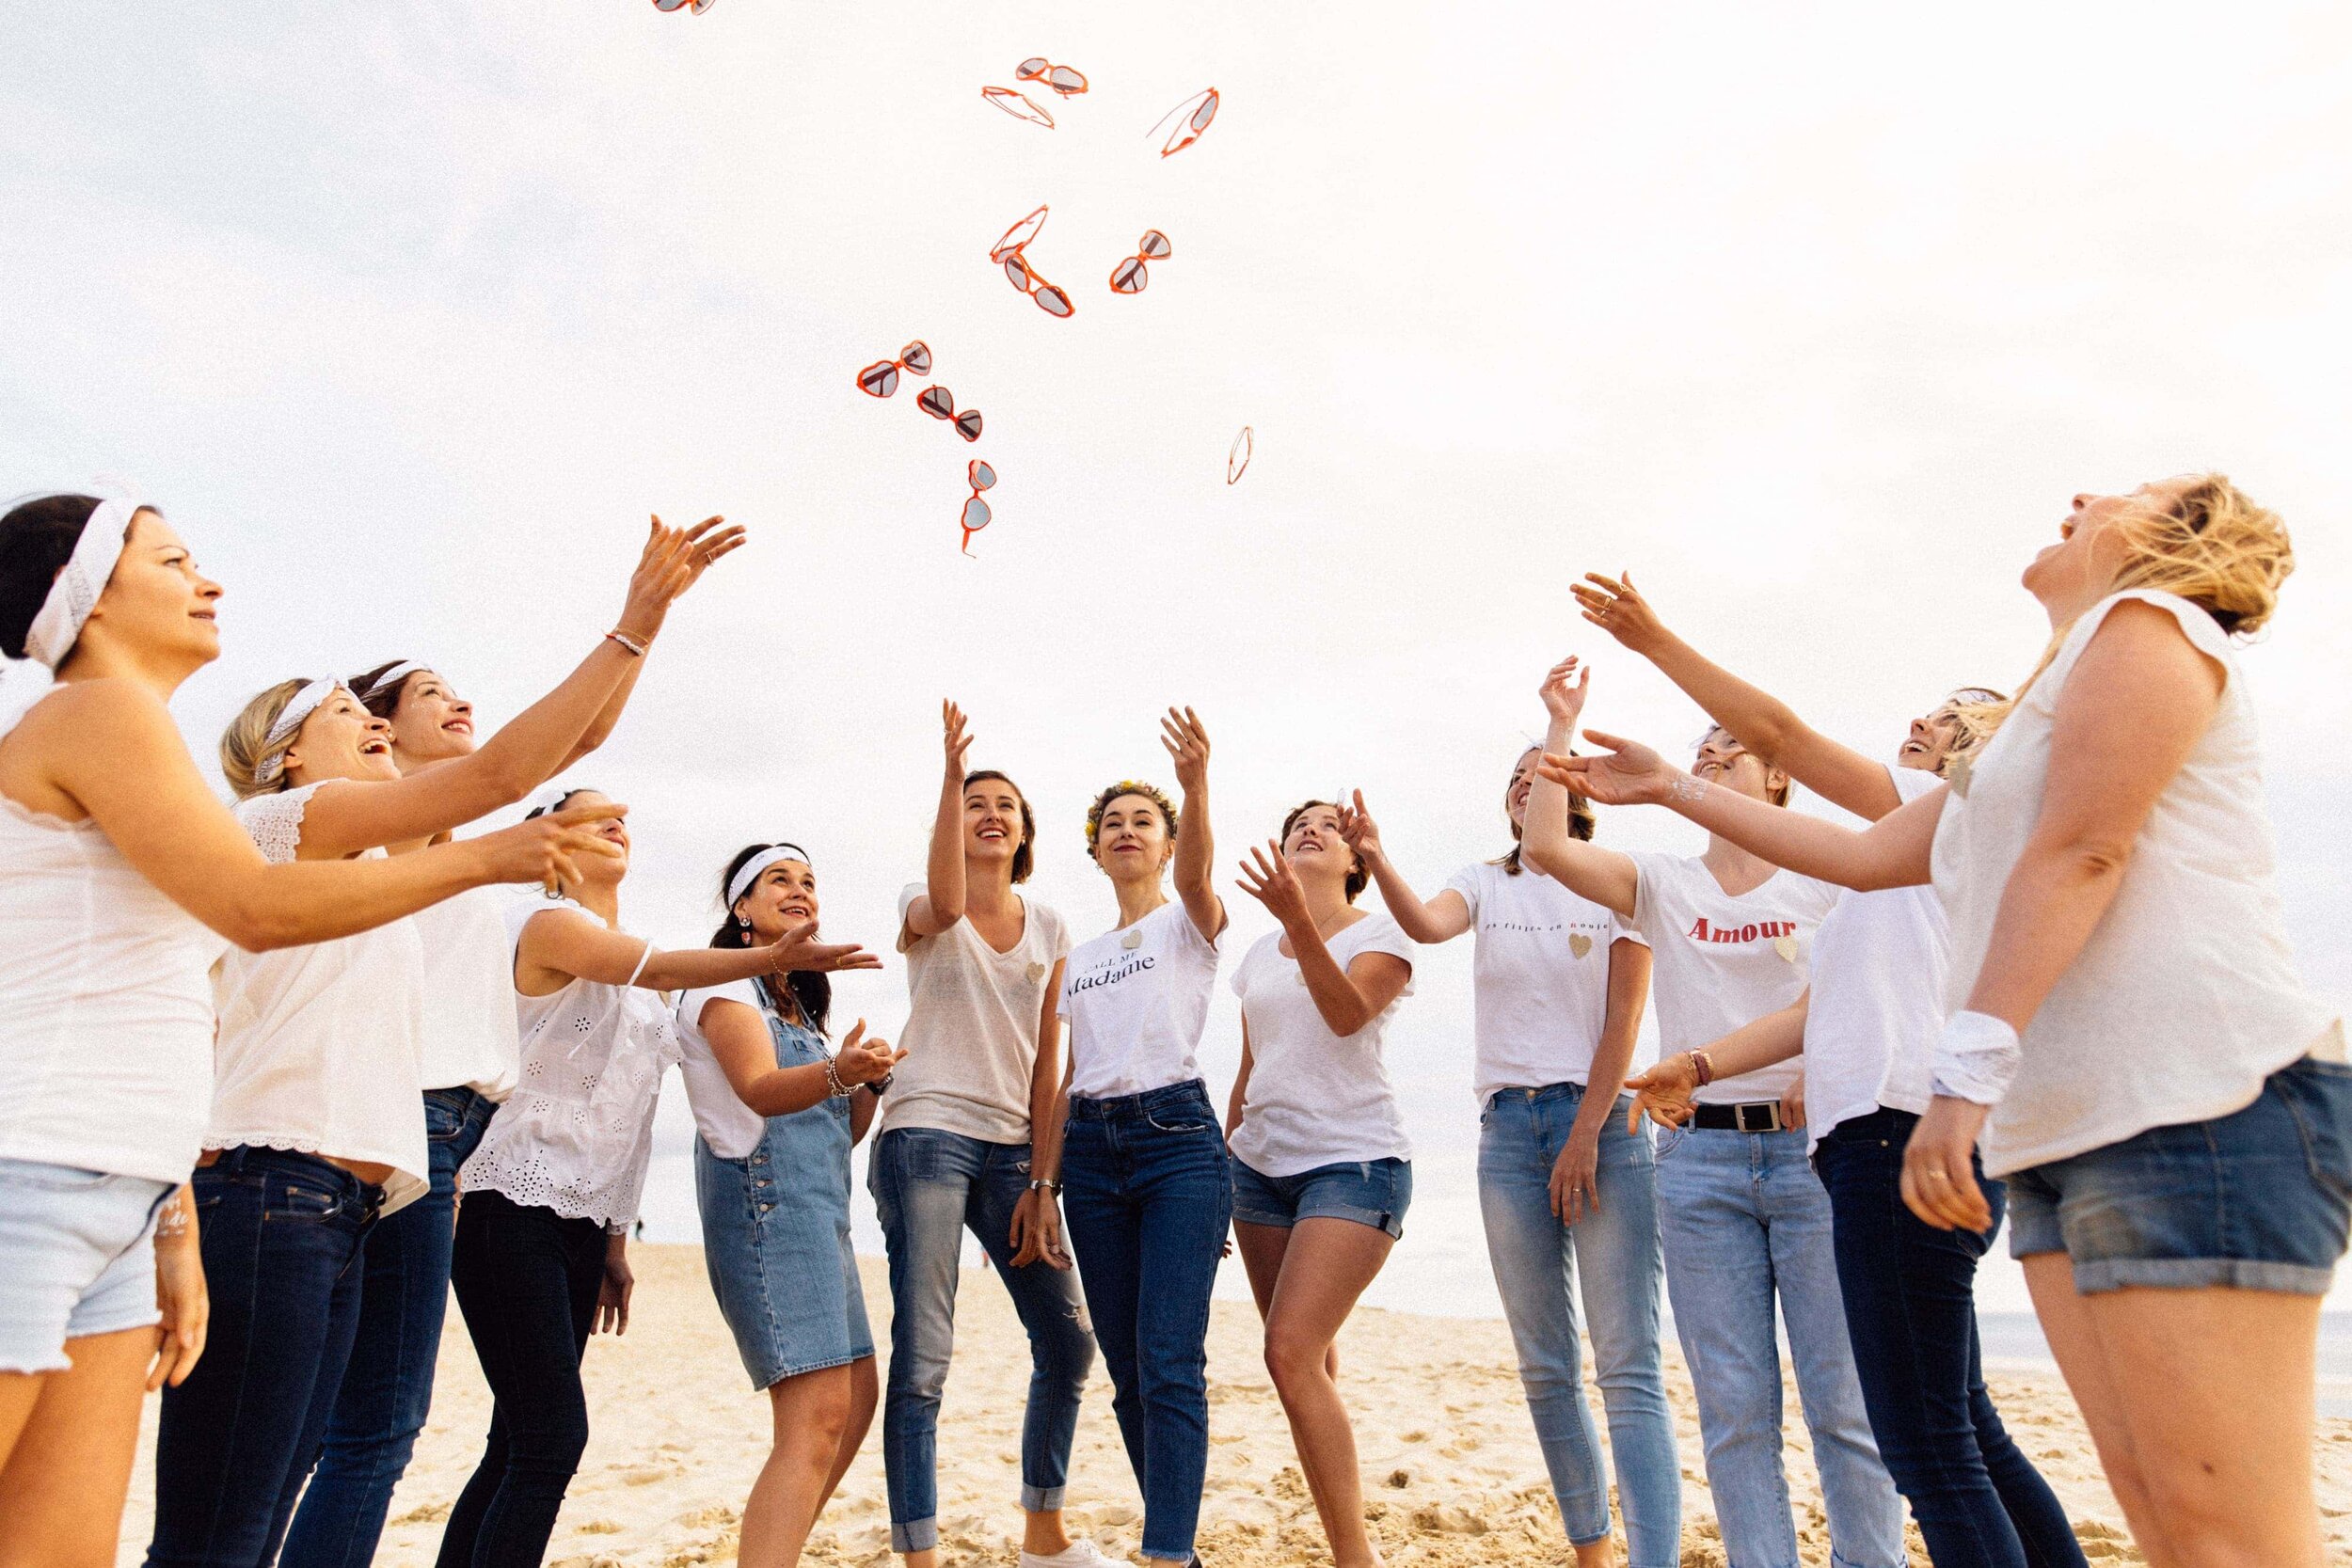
(1567,1189)
(121,880)
(1322,1171)
(776,1115)
(541,1254)
(465,1042)
(984,974)
(1150,1197)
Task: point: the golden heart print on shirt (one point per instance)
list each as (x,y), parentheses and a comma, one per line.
(1133,941)
(1785,947)
(1037,972)
(1578,944)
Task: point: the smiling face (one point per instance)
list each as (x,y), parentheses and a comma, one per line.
(995,825)
(1931,740)
(341,740)
(783,898)
(1515,793)
(2079,570)
(1312,845)
(603,869)
(1131,841)
(1722,760)
(433,723)
(157,607)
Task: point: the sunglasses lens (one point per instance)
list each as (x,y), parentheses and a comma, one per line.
(1207,112)
(979,475)
(916,357)
(1129,278)
(968,426)
(939,403)
(878,380)
(1053,301)
(1066,81)
(975,515)
(1154,245)
(669,5)
(1031,69)
(1018,272)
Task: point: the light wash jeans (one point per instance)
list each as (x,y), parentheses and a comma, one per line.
(1745,1220)
(1611,1258)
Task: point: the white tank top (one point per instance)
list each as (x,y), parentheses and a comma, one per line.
(107,1036)
(318,1044)
(2185,997)
(470,1040)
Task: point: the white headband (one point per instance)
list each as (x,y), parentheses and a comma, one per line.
(547,800)
(740,884)
(304,704)
(391,678)
(76,590)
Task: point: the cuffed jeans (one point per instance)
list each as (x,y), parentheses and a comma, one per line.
(388,1384)
(928,1186)
(1910,1310)
(1149,1204)
(1610,1258)
(280,1235)
(1747,1223)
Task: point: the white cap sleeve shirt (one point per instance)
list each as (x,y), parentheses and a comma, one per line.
(1315,1099)
(1540,977)
(319,1045)
(470,1040)
(1880,966)
(971,1032)
(1138,999)
(1722,962)
(2184,997)
(729,1127)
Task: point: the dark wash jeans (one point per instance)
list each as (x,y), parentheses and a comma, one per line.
(1148,1202)
(1910,1310)
(527,1280)
(387,1384)
(281,1235)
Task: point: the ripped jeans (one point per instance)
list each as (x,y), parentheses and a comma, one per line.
(928,1186)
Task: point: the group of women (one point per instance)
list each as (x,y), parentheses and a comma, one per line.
(259,1049)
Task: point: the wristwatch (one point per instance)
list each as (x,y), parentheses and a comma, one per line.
(875,1085)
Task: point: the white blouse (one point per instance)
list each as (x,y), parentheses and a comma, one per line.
(470,1037)
(318,1045)
(106,1040)
(576,1134)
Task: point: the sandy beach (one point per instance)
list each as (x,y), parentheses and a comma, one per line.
(1451,1472)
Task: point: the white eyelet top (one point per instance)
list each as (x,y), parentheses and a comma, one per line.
(318,1046)
(576,1134)
(106,1040)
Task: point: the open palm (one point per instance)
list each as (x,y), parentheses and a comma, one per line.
(1624,773)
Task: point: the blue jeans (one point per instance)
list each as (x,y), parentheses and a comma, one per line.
(1611,1259)
(1746,1225)
(928,1186)
(281,1237)
(1149,1203)
(388,1386)
(1910,1310)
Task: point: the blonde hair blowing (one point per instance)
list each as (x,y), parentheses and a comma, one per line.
(245,748)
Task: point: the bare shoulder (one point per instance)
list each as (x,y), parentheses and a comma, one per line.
(110,707)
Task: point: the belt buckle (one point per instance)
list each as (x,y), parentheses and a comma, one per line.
(1771,1123)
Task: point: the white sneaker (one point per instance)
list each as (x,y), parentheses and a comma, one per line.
(1081,1553)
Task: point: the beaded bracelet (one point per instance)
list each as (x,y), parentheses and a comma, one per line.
(634,647)
(1705,1068)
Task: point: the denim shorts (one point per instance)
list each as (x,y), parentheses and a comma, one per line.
(1370,1192)
(2256,1201)
(77,1257)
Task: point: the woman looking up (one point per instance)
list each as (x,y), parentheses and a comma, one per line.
(984,973)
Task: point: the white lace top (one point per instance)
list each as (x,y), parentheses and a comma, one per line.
(318,1045)
(577,1132)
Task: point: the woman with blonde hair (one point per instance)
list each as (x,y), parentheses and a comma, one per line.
(2171,1107)
(121,880)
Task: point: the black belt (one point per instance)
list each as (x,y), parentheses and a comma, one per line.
(1756,1116)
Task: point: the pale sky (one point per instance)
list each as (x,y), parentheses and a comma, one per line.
(408,315)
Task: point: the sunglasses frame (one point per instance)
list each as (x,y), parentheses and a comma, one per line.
(940,404)
(1237,456)
(1204,105)
(891,368)
(1027,230)
(972,472)
(1029,281)
(1043,75)
(1142,274)
(1030,110)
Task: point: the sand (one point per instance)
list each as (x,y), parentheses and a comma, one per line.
(1452,1476)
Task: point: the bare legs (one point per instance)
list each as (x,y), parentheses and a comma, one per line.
(2200,1402)
(67,1440)
(821,1422)
(1307,1279)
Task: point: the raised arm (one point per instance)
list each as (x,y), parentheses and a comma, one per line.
(738,1039)
(1439,919)
(1188,745)
(1891,852)
(539,741)
(940,904)
(1347,998)
(120,758)
(1606,877)
(558,943)
(1766,725)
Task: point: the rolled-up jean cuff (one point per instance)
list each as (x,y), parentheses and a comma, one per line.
(915,1535)
(1040,1499)
(1155,1557)
(2097,1276)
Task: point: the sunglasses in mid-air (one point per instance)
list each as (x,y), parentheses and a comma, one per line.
(1131,276)
(976,514)
(1066,80)
(940,404)
(881,378)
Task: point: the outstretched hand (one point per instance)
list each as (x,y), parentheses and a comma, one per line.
(1623,773)
(1359,830)
(1266,877)
(1564,692)
(1617,607)
(1663,1093)
(799,949)
(1187,745)
(864,1061)
(674,560)
(957,739)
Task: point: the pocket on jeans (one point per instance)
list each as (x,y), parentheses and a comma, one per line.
(53,1178)
(1183,1121)
(2318,1096)
(299,1202)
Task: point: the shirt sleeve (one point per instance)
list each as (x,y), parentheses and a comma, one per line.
(1466,882)
(1382,934)
(1057,935)
(1622,927)
(1649,866)
(273,821)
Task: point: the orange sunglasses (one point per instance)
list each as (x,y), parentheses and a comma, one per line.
(881,378)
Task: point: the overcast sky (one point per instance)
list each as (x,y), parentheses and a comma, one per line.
(408,315)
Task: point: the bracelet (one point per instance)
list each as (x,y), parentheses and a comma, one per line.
(635,648)
(876,1087)
(1043,1184)
(835,1088)
(1705,1066)
(1687,790)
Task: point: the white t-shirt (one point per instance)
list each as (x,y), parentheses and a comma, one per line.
(1879,976)
(468,1036)
(1315,1099)
(2185,997)
(1137,1000)
(732,1129)
(971,1033)
(1541,975)
(1720,962)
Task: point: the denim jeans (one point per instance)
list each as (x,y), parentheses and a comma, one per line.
(928,1186)
(1149,1204)
(387,1384)
(1746,1224)
(281,1235)
(1911,1308)
(1610,1258)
